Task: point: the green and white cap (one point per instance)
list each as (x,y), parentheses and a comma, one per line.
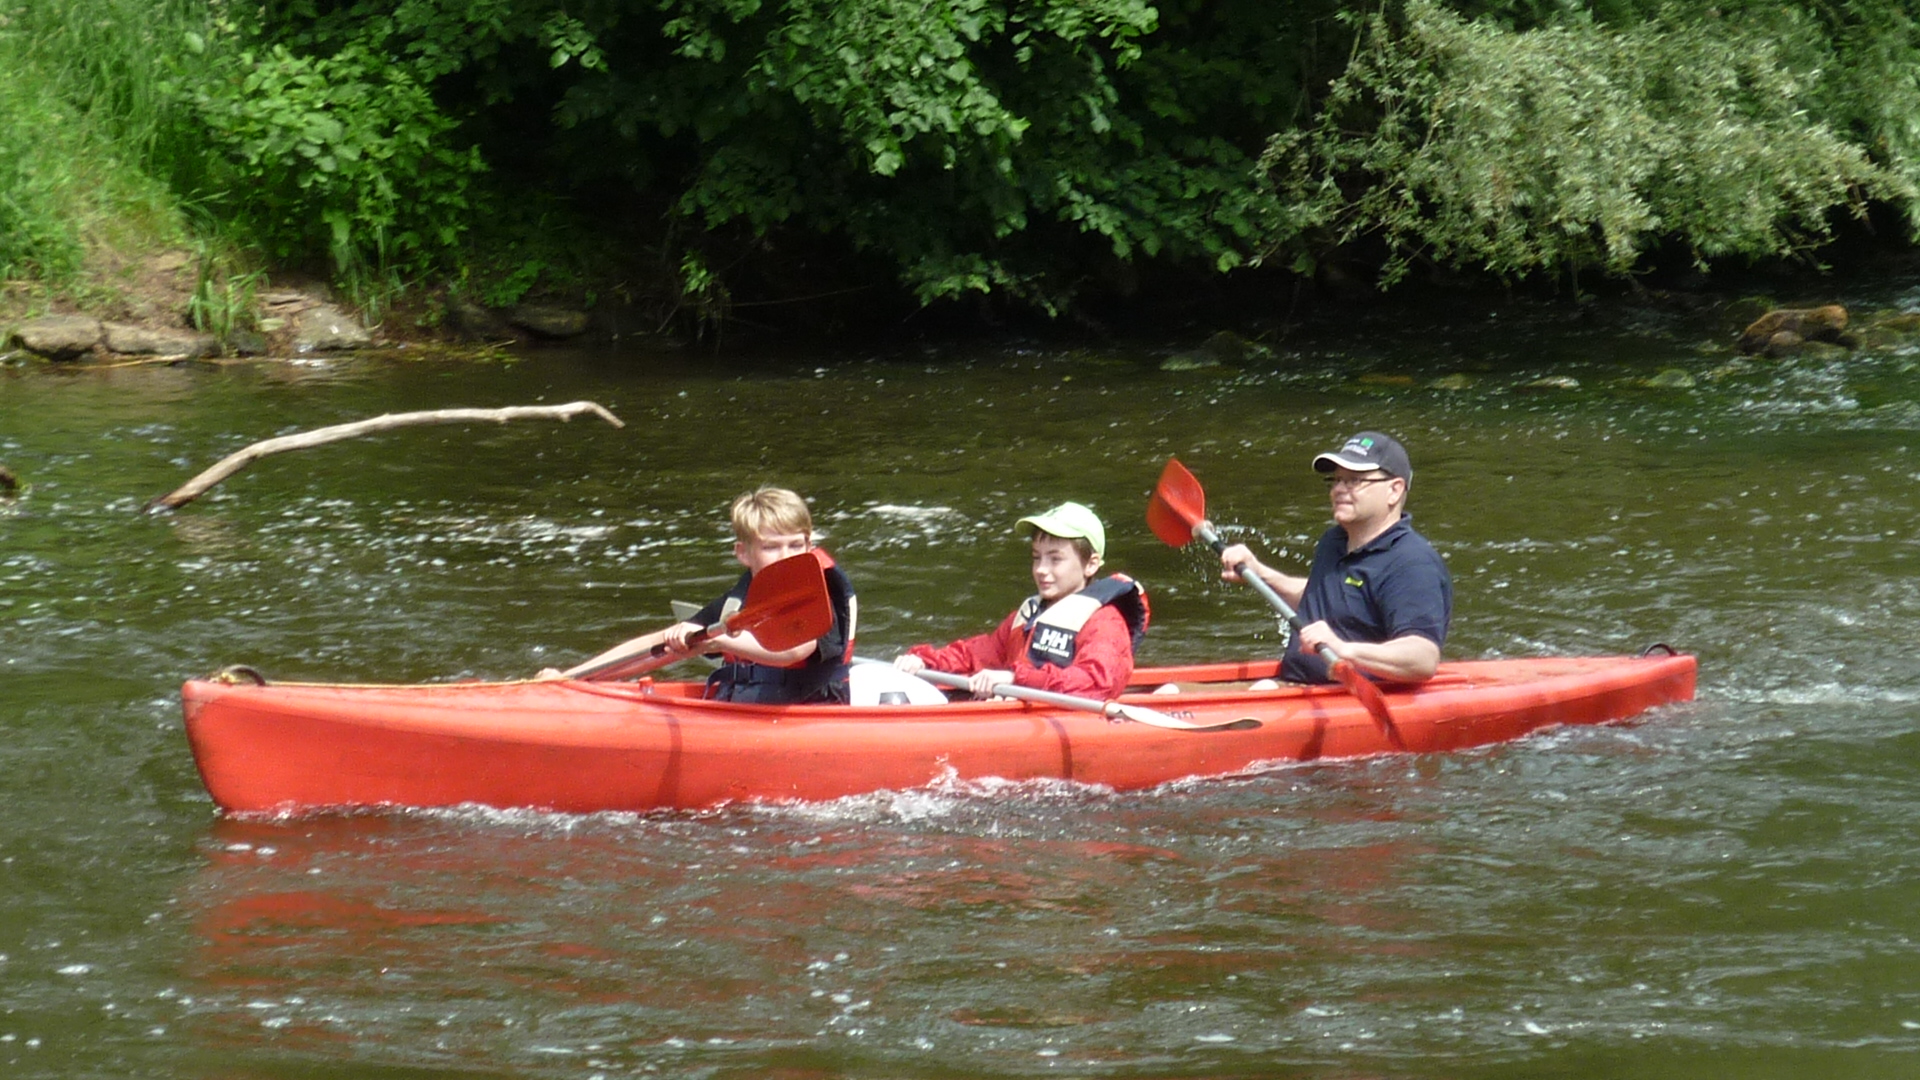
(1365,452)
(1072,521)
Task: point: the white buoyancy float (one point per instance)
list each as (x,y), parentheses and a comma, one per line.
(883,684)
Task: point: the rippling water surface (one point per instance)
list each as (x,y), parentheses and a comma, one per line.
(1724,888)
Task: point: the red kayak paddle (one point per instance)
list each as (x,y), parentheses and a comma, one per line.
(1177,514)
(786,604)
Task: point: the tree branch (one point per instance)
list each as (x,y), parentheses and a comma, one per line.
(233,463)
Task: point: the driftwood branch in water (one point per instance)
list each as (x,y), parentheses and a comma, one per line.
(233,463)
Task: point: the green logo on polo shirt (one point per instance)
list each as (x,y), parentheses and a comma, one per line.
(1355,582)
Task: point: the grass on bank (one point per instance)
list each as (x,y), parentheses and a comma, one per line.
(81,203)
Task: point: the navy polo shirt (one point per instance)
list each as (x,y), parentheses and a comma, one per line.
(1393,586)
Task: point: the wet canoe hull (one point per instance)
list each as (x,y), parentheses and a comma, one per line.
(580,747)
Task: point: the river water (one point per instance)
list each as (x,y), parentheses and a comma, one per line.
(1723,888)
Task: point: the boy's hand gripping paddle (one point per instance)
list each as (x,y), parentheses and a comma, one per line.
(786,604)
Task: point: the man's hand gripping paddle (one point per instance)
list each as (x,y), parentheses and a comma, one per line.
(786,604)
(1177,514)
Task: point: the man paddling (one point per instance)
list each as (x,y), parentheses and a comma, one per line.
(1377,592)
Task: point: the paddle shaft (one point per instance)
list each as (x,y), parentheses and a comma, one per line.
(625,665)
(1112,710)
(1012,690)
(1342,669)
(1204,531)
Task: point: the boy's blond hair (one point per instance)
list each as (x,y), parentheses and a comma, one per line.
(770,511)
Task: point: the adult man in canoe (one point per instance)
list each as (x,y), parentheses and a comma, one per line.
(1377,592)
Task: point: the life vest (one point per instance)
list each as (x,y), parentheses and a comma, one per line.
(811,678)
(1054,634)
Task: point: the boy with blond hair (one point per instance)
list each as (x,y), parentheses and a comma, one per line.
(769,524)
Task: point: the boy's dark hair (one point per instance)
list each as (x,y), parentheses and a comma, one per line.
(1081,544)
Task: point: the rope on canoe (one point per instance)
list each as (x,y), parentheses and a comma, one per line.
(234,674)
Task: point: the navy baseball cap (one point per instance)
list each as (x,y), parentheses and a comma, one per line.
(1366,452)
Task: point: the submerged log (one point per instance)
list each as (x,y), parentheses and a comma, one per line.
(233,463)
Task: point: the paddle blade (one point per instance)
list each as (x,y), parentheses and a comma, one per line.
(787,603)
(1178,505)
(1370,698)
(1155,718)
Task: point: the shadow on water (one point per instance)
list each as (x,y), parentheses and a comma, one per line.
(1725,885)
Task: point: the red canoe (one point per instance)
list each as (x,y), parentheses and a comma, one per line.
(584,747)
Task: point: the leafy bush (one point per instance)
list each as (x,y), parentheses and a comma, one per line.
(739,153)
(921,132)
(1570,146)
(345,154)
(1869,53)
(973,145)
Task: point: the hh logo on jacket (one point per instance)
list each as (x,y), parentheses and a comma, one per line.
(1054,643)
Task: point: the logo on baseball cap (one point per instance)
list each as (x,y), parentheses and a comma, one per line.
(1366,452)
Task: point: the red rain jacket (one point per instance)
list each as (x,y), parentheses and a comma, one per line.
(1102,659)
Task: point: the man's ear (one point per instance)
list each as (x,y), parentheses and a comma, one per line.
(740,552)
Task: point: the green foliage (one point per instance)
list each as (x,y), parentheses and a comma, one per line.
(38,238)
(106,59)
(534,245)
(732,153)
(513,286)
(977,145)
(346,154)
(1869,54)
(984,146)
(703,296)
(224,299)
(78,121)
(857,117)
(1569,146)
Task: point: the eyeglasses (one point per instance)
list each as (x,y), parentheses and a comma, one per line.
(1353,481)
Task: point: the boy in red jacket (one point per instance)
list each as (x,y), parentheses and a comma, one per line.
(1075,637)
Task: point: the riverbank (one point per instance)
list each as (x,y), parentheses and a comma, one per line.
(1111,174)
(159,307)
(166,304)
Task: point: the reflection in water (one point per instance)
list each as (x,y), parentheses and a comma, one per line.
(731,938)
